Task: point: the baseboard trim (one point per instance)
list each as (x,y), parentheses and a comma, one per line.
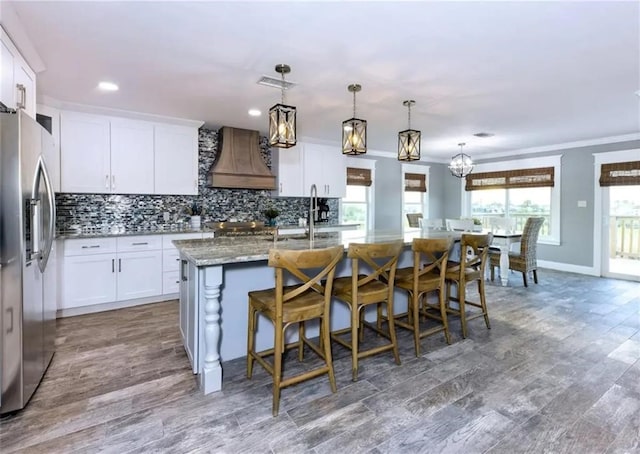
(71,312)
(569,268)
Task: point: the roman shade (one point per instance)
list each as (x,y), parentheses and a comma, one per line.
(509,179)
(620,174)
(358,177)
(415,182)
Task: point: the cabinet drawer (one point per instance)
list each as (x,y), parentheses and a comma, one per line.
(139,243)
(170,282)
(167,239)
(87,246)
(170,260)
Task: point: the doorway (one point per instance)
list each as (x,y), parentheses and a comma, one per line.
(621,232)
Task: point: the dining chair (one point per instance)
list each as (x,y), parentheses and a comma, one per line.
(414,219)
(499,223)
(470,268)
(430,257)
(462,225)
(526,260)
(360,290)
(295,304)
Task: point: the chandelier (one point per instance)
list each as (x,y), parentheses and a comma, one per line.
(461,164)
(282,118)
(354,130)
(409,139)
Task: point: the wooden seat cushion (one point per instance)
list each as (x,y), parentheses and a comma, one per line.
(370,292)
(426,282)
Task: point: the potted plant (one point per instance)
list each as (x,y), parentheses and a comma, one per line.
(195,211)
(477,225)
(271,214)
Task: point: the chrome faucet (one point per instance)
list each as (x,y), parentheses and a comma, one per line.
(313,208)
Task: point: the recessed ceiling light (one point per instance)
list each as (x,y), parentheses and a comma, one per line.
(254,112)
(107,86)
(484,135)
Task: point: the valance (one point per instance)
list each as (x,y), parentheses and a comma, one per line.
(523,178)
(620,174)
(358,177)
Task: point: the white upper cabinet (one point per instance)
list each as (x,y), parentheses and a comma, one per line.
(325,167)
(287,166)
(131,157)
(305,164)
(85,151)
(101,154)
(176,159)
(18,81)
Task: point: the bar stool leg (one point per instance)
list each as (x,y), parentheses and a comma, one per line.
(416,321)
(277,365)
(392,329)
(301,341)
(463,314)
(250,340)
(483,303)
(326,347)
(354,341)
(443,315)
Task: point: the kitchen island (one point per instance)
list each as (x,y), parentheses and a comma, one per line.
(217,274)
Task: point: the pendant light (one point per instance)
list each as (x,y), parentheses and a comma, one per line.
(461,164)
(409,139)
(354,130)
(282,118)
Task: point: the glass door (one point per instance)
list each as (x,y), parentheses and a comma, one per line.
(621,237)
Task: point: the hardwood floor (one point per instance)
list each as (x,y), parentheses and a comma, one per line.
(558,372)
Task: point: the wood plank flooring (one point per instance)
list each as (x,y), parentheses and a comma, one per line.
(558,372)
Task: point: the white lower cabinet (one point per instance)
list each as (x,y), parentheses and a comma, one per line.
(188,313)
(107,270)
(88,280)
(139,274)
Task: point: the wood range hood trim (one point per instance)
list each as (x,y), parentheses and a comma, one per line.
(239,163)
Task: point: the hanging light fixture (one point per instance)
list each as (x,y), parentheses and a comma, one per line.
(354,130)
(461,164)
(409,139)
(282,118)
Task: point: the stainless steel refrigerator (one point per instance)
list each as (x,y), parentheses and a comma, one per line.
(27,233)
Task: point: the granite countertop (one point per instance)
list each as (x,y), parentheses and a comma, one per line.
(224,250)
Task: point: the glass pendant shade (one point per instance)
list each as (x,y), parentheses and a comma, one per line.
(282,118)
(409,140)
(461,164)
(354,136)
(354,130)
(282,126)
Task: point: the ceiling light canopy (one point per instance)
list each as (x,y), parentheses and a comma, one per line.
(409,139)
(107,86)
(354,130)
(282,118)
(461,164)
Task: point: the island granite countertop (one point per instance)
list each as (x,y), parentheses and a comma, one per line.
(220,251)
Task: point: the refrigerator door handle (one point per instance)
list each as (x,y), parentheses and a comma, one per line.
(50,228)
(34,219)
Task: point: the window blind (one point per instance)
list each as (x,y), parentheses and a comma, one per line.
(523,178)
(359,177)
(620,174)
(415,182)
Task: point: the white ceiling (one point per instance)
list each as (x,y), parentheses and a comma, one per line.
(533,73)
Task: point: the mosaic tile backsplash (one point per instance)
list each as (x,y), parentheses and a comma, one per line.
(131,212)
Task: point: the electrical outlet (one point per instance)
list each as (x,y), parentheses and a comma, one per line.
(582,203)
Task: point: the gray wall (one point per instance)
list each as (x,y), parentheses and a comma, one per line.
(388,193)
(577,183)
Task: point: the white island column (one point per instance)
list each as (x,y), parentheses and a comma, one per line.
(211,374)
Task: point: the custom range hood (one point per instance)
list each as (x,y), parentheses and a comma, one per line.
(239,163)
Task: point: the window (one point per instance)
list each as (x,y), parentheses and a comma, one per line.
(357,206)
(518,190)
(414,192)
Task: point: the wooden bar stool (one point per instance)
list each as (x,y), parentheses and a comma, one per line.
(428,275)
(285,306)
(470,268)
(361,290)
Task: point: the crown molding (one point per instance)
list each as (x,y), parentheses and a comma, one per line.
(97,110)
